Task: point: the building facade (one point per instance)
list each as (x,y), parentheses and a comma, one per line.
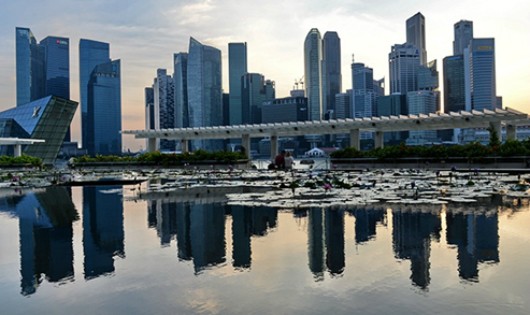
(463,31)
(91,54)
(404,61)
(164,108)
(104,110)
(237,67)
(479,67)
(416,35)
(254,91)
(205,91)
(313,73)
(331,71)
(180,85)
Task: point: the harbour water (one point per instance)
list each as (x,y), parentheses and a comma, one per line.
(101,250)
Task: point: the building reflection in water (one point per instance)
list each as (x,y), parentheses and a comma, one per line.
(366,221)
(411,237)
(334,221)
(103,232)
(315,243)
(45,233)
(477,239)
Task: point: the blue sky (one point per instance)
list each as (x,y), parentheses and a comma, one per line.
(145,34)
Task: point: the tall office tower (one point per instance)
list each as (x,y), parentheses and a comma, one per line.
(363,90)
(205,96)
(180,84)
(104,110)
(379,89)
(312,73)
(29,67)
(479,68)
(343,105)
(254,91)
(237,67)
(392,105)
(91,54)
(404,61)
(331,70)
(164,108)
(57,68)
(149,108)
(463,36)
(416,35)
(454,84)
(422,102)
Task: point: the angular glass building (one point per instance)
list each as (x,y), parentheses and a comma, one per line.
(205,96)
(91,54)
(180,85)
(48,119)
(104,110)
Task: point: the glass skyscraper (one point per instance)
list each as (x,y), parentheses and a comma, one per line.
(254,91)
(42,69)
(331,70)
(180,85)
(164,107)
(404,61)
(463,36)
(363,99)
(479,64)
(313,73)
(91,54)
(104,110)
(416,35)
(237,67)
(205,96)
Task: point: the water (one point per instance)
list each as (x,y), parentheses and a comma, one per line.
(95,250)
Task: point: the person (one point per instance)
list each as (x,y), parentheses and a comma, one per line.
(289,161)
(279,160)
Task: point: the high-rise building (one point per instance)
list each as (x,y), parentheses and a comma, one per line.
(331,70)
(91,54)
(205,91)
(29,67)
(392,105)
(404,61)
(454,84)
(254,91)
(104,110)
(343,107)
(422,102)
(180,84)
(479,67)
(363,100)
(416,35)
(149,108)
(237,67)
(463,36)
(313,73)
(42,69)
(164,108)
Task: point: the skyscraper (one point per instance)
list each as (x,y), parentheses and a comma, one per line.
(254,91)
(104,110)
(180,84)
(363,100)
(237,67)
(164,108)
(404,61)
(454,84)
(313,73)
(416,35)
(463,36)
(204,91)
(149,108)
(42,69)
(29,67)
(479,67)
(331,70)
(91,54)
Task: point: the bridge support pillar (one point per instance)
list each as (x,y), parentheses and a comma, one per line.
(245,143)
(151,144)
(496,126)
(510,132)
(355,139)
(184,146)
(379,139)
(274,147)
(18,150)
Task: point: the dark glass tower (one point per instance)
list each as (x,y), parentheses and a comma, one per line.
(29,67)
(91,54)
(180,85)
(237,67)
(416,35)
(104,109)
(331,73)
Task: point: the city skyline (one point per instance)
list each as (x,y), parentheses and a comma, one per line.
(275,40)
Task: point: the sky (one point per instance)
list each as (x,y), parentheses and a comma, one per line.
(145,34)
